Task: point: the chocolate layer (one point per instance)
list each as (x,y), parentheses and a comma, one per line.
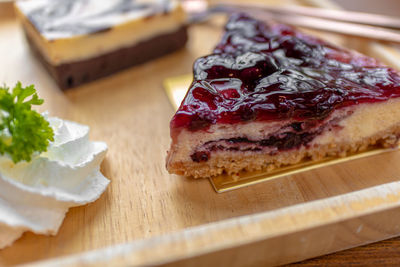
(76,73)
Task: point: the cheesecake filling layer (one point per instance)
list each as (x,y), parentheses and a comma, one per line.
(286,141)
(80,33)
(290,136)
(348,127)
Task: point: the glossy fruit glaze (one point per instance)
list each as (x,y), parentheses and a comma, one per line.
(273,72)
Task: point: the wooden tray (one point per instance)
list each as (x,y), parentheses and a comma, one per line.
(148,217)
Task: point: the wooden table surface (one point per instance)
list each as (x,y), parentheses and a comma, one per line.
(384,252)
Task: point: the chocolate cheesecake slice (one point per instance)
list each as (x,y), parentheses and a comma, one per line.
(79,41)
(270,95)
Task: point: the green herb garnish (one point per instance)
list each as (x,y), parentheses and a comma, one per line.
(23,131)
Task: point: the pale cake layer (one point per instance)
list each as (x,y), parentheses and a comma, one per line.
(232,163)
(350,129)
(59,49)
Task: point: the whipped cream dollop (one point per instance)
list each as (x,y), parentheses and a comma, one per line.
(36,195)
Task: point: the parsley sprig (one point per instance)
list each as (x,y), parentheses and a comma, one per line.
(23,131)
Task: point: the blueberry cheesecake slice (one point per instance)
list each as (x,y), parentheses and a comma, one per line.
(270,95)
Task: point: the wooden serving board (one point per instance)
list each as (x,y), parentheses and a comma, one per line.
(148,217)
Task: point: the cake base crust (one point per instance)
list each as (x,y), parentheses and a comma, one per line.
(73,74)
(232,163)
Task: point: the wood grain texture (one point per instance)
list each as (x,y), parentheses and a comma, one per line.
(384,253)
(269,238)
(131,113)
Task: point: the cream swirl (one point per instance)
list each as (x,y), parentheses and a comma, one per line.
(57,19)
(35,196)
